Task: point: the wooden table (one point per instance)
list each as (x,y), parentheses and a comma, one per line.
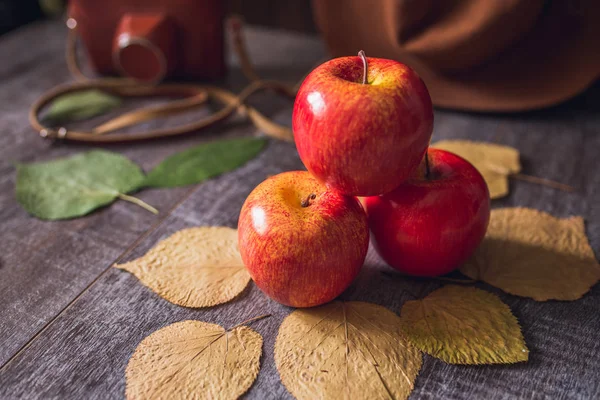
(69,322)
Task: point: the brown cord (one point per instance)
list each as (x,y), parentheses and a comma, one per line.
(195,96)
(239,45)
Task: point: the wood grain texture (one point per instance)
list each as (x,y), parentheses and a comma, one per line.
(83,352)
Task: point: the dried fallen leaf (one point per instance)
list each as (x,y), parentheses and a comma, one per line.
(346,350)
(533,254)
(495,162)
(464,325)
(195,267)
(194,359)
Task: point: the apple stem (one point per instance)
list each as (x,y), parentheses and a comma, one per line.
(306,202)
(427,171)
(363,57)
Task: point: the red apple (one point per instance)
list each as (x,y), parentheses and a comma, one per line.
(302,242)
(362,139)
(433,222)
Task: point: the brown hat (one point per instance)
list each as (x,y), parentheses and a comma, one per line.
(484,55)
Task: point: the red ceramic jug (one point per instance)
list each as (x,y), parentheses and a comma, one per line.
(151,40)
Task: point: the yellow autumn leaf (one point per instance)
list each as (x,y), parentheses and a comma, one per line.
(530,253)
(495,162)
(195,267)
(464,325)
(194,360)
(349,350)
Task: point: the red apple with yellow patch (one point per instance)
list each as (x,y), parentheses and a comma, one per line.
(362,134)
(434,221)
(302,242)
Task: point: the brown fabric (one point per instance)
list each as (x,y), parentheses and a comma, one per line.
(484,55)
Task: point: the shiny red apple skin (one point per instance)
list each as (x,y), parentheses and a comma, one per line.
(302,256)
(429,227)
(362,139)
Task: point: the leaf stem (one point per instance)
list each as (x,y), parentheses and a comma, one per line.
(250,320)
(139,202)
(544,182)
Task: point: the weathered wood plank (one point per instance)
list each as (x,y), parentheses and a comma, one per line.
(45,265)
(85,351)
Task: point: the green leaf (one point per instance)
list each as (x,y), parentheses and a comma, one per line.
(81,105)
(77,185)
(464,325)
(205,161)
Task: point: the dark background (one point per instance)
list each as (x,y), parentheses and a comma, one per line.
(14,13)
